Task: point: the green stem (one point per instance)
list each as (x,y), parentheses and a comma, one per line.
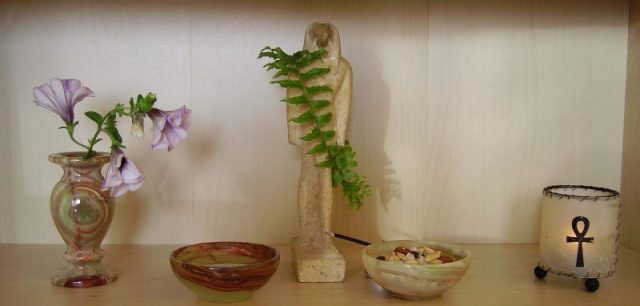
(70,128)
(92,141)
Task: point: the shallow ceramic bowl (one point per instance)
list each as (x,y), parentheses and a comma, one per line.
(224,271)
(410,281)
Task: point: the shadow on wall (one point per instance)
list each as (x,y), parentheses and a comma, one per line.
(129,215)
(369,120)
(134,210)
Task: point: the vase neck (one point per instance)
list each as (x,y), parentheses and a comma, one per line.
(75,165)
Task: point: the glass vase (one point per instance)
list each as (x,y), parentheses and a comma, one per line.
(82,214)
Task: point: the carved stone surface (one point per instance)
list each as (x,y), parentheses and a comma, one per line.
(316,258)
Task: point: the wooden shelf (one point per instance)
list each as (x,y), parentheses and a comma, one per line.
(499,275)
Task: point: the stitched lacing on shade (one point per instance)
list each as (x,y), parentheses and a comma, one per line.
(551,192)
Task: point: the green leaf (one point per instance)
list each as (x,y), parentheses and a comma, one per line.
(289,83)
(314,72)
(325,164)
(280,53)
(319,104)
(110,120)
(343,162)
(304,59)
(307,57)
(295,57)
(352,163)
(318,89)
(266,52)
(119,108)
(297,100)
(320,52)
(306,116)
(113,133)
(336,177)
(328,134)
(145,104)
(280,73)
(319,148)
(150,99)
(280,65)
(95,117)
(333,149)
(314,134)
(324,119)
(273,53)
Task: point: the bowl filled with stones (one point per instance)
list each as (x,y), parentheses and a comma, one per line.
(415,270)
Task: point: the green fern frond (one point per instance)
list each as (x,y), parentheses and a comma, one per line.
(340,158)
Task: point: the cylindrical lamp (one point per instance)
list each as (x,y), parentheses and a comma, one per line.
(579,233)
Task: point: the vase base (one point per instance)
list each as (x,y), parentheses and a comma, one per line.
(86,276)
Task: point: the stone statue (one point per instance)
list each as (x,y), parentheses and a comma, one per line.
(316,258)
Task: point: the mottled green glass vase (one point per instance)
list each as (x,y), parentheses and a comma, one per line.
(82,214)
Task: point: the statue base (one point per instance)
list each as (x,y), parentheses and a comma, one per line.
(314,267)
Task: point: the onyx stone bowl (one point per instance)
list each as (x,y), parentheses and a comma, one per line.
(411,281)
(224,271)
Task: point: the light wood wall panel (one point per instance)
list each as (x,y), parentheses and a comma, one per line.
(631,153)
(521,95)
(463,111)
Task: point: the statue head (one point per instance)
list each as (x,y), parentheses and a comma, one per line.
(323,34)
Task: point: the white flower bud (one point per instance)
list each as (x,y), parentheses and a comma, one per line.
(137,125)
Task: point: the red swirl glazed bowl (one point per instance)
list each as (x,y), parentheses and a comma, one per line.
(224,271)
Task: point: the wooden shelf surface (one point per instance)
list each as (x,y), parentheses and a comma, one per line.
(499,275)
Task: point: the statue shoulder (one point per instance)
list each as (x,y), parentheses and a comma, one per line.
(345,66)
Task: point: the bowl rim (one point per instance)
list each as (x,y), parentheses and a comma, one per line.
(249,266)
(466,258)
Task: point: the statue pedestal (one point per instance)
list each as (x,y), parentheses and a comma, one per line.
(312,266)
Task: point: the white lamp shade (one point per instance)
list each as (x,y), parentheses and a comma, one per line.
(579,231)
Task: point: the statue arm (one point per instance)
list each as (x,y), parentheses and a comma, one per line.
(292,112)
(343,103)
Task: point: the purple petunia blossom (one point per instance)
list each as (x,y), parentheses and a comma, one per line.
(60,96)
(122,174)
(169,127)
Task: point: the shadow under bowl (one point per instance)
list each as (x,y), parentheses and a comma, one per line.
(413,281)
(224,271)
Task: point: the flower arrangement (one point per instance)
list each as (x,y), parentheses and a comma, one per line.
(169,127)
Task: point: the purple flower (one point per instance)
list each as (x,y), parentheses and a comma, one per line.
(60,96)
(169,127)
(122,174)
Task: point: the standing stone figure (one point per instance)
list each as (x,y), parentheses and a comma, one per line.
(316,258)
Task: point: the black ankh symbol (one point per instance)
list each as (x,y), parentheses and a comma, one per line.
(580,237)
